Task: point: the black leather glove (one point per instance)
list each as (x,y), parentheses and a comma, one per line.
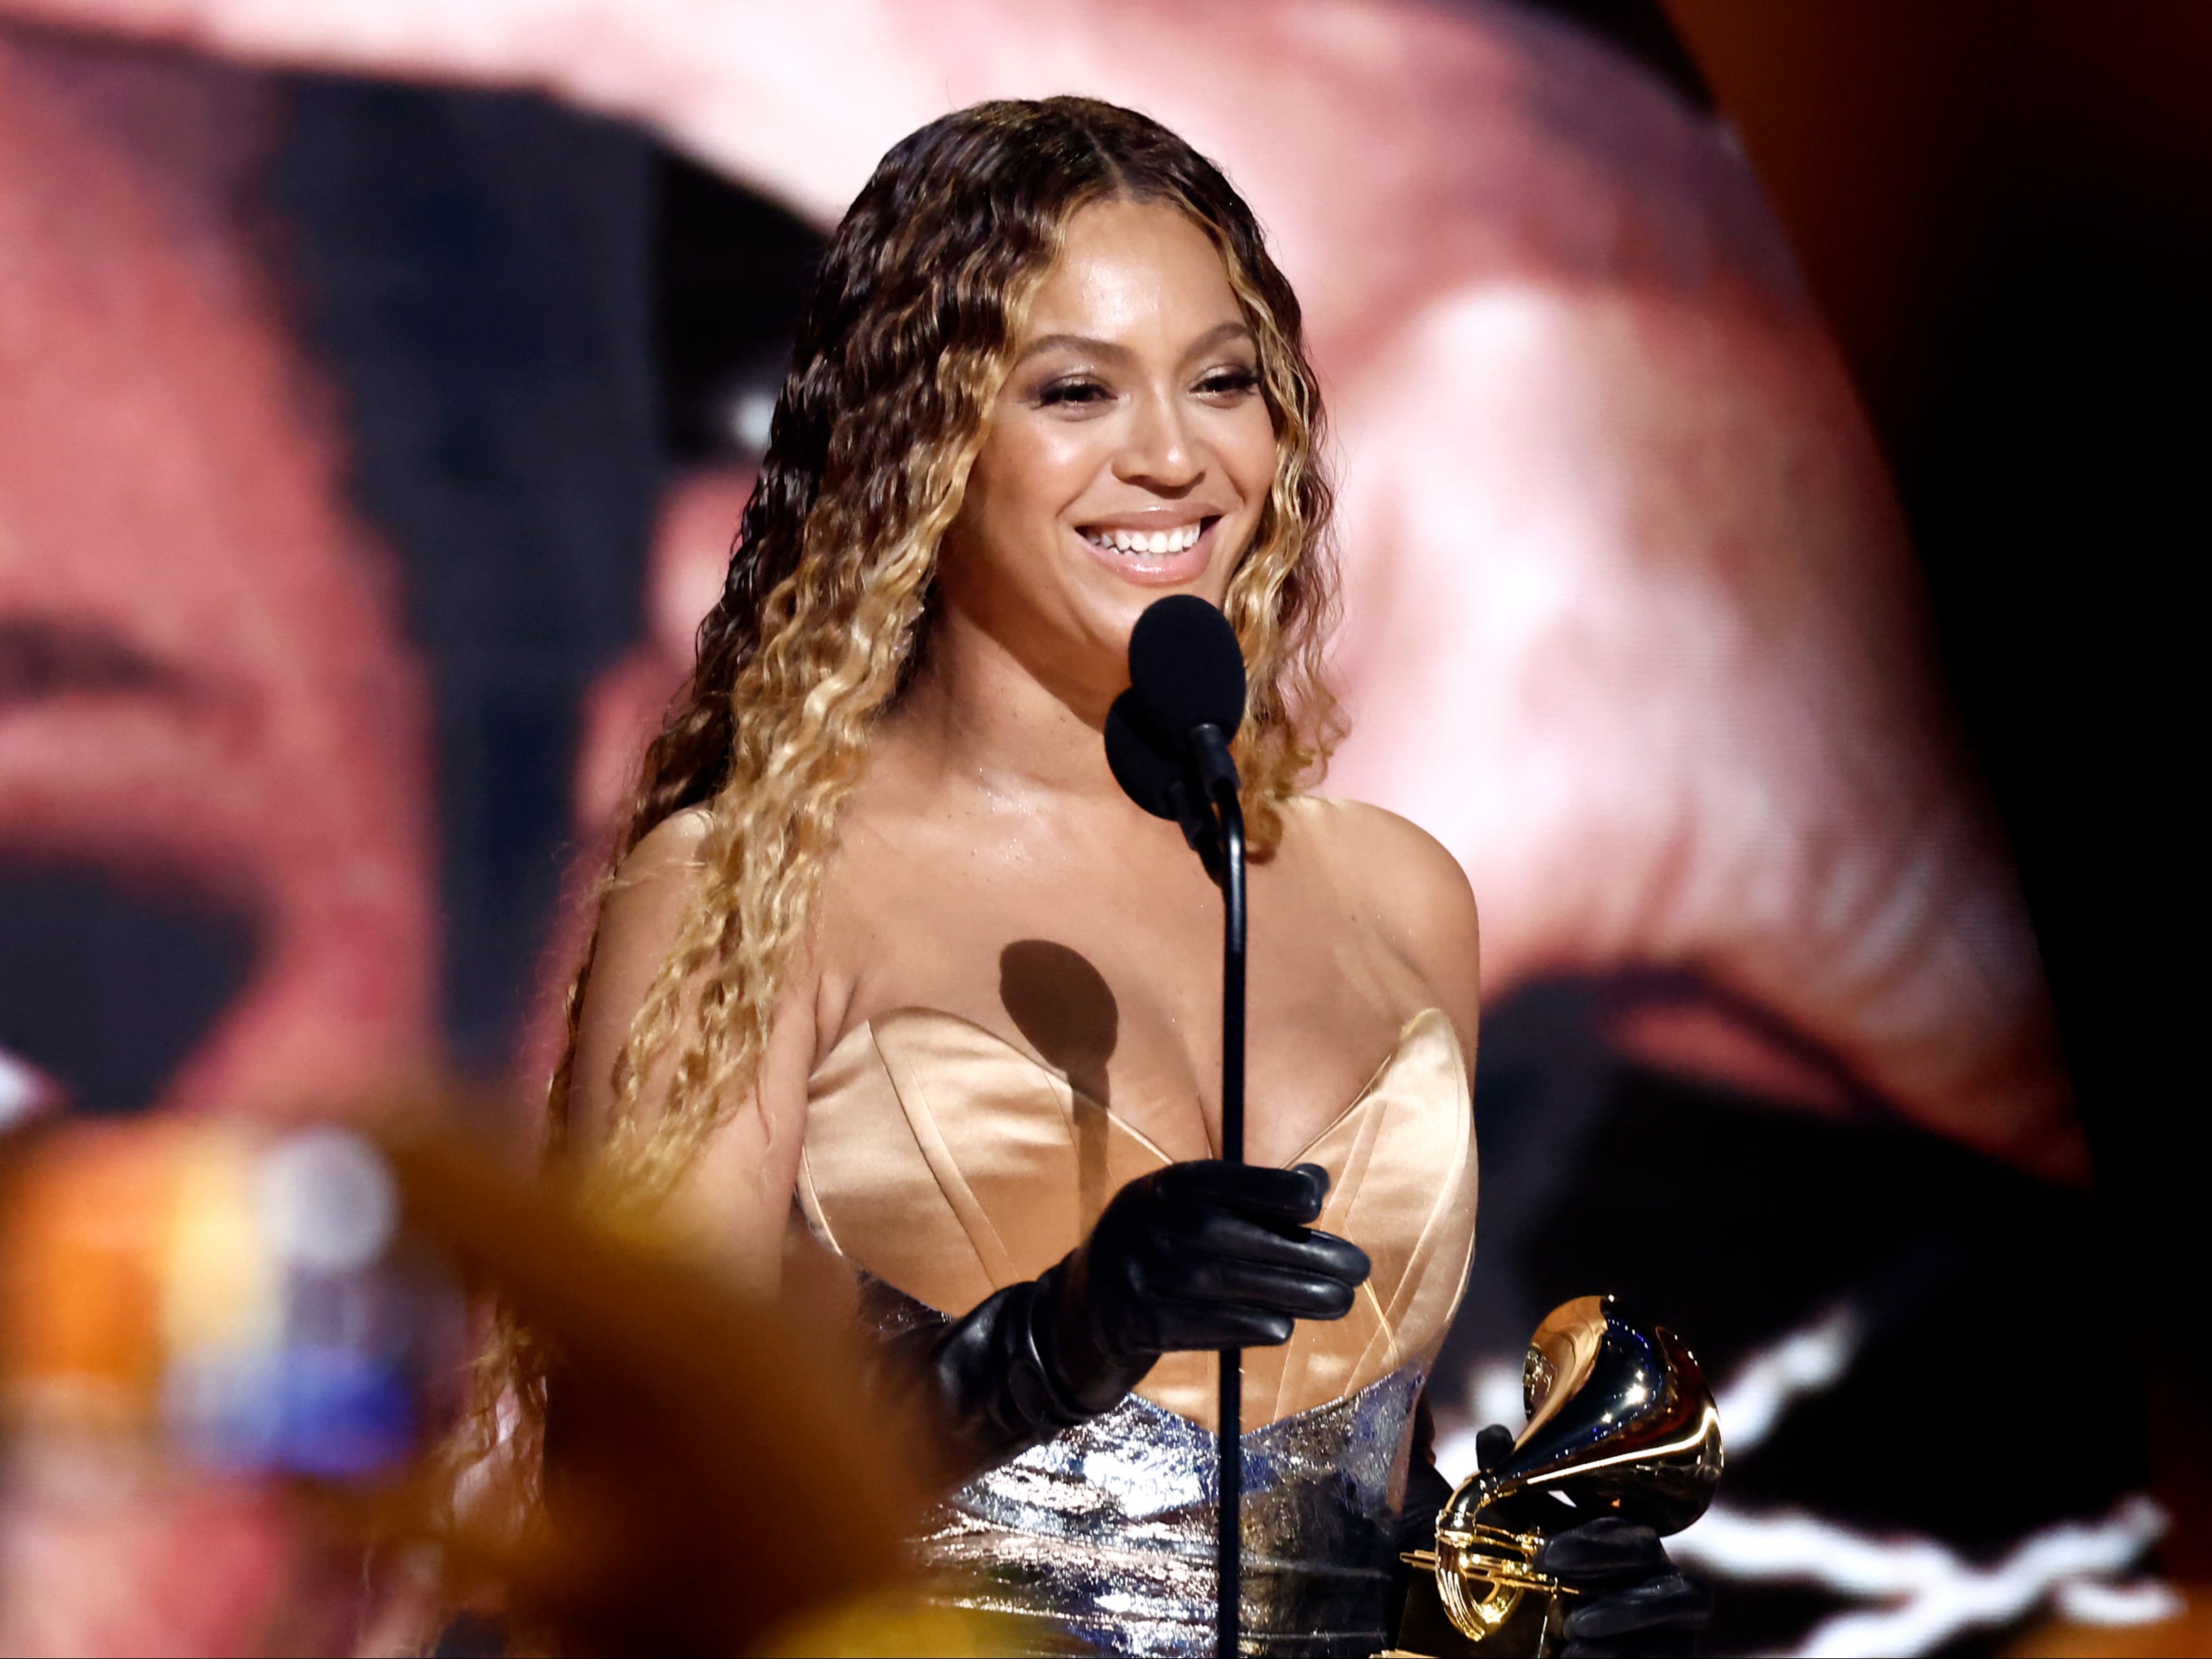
(1200,1256)
(1633,1601)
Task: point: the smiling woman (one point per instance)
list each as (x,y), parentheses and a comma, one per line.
(1632,626)
(896,1000)
(1130,446)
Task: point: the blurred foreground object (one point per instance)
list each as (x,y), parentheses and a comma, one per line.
(206,1335)
(715,1483)
(245,1303)
(225,1360)
(1621,1422)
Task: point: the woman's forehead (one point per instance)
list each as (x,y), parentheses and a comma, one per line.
(1127,267)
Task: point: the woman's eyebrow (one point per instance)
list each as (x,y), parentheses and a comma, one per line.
(45,657)
(1082,343)
(1236,328)
(1089,344)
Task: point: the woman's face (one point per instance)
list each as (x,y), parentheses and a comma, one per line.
(1127,456)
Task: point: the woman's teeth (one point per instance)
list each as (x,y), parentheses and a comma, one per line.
(1146,541)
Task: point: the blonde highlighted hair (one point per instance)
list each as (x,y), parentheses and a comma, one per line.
(824,613)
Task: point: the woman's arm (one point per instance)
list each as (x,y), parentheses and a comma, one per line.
(734,1199)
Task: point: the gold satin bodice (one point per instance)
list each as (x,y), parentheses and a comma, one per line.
(949,1164)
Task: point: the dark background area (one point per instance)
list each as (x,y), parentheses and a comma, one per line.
(478,272)
(2005,213)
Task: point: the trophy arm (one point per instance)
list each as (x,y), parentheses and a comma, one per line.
(1468,1498)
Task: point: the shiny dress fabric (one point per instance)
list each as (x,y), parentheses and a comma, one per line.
(1101,1539)
(943,1163)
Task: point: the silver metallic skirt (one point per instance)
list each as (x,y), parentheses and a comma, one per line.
(1102,1539)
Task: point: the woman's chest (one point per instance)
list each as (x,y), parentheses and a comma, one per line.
(943,1161)
(1114,982)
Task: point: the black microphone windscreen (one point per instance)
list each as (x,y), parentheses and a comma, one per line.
(1141,764)
(1187,668)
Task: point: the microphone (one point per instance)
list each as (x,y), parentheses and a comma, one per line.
(1167,736)
(1167,742)
(1187,672)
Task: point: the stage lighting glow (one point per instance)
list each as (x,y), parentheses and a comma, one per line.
(1807,1361)
(1934,1594)
(23,1090)
(326,1200)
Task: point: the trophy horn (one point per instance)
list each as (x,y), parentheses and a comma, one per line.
(1621,1421)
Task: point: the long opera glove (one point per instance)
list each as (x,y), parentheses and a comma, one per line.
(1197,1256)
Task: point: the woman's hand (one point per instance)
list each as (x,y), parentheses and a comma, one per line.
(1198,1255)
(1632,1599)
(1204,1256)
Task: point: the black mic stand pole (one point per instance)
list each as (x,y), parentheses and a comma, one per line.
(1219,774)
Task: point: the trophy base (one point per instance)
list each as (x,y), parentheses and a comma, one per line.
(1536,1627)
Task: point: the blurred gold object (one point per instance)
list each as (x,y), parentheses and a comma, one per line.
(891,1624)
(1621,1422)
(721,1481)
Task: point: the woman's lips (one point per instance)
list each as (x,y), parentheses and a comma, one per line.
(1153,556)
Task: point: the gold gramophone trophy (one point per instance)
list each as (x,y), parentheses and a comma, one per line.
(1621,1422)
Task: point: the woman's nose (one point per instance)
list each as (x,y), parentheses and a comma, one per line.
(1159,452)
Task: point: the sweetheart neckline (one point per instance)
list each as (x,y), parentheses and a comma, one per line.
(916,1010)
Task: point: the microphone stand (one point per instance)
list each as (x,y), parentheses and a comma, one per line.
(1218,773)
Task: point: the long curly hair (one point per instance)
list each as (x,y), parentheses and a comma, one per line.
(915,313)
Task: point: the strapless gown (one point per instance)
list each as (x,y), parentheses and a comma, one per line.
(943,1164)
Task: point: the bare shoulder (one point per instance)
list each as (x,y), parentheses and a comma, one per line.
(1410,886)
(734,1198)
(646,907)
(1402,869)
(666,861)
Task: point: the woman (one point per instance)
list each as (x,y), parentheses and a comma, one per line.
(893,988)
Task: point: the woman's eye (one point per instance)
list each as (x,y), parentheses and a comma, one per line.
(1229,382)
(1073,392)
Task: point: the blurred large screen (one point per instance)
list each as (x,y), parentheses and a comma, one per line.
(378,393)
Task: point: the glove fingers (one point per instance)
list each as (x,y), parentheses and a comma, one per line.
(1221,1237)
(1284,1196)
(1667,1602)
(1338,1258)
(1633,1601)
(1273,1290)
(1600,1554)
